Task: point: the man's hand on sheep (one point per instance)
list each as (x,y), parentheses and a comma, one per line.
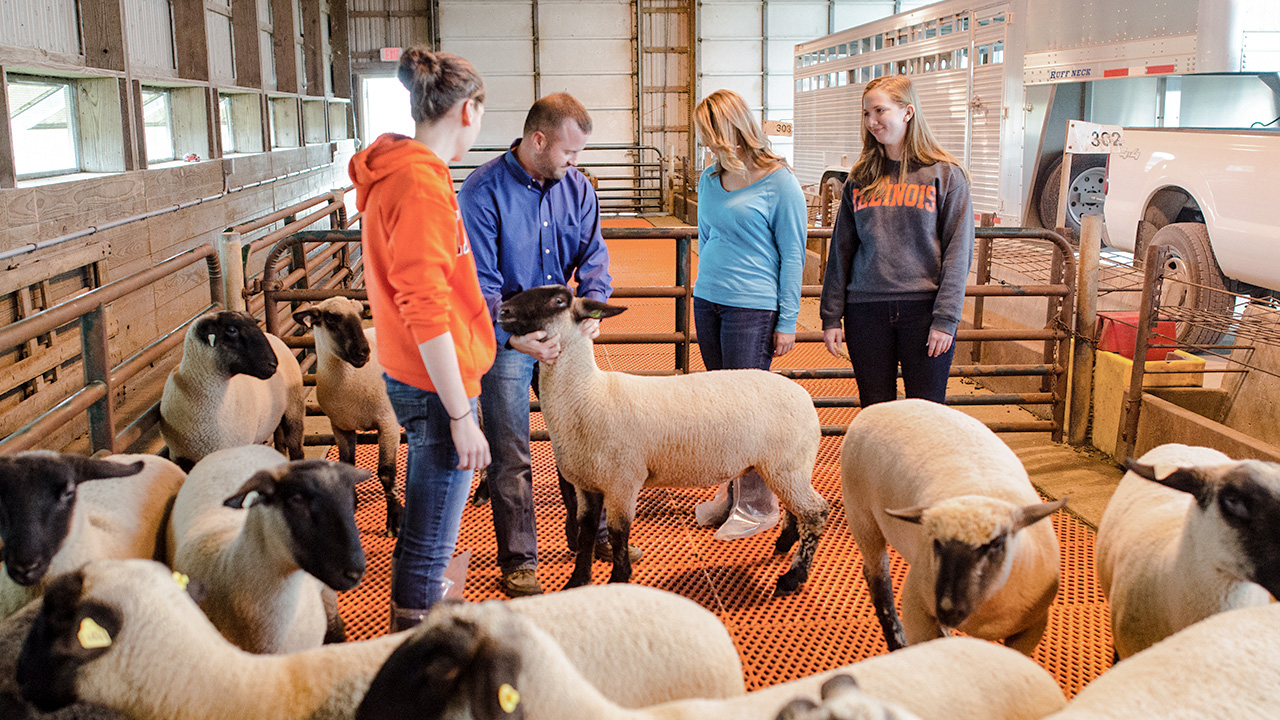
(538,345)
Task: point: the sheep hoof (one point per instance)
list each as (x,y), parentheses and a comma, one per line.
(393,518)
(573,583)
(788,583)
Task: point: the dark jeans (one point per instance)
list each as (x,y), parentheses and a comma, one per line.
(882,335)
(504,401)
(731,338)
(435,493)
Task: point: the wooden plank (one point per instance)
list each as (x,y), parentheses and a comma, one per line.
(313,49)
(339,49)
(102,30)
(132,124)
(190,121)
(245,32)
(98,111)
(192,39)
(8,171)
(26,270)
(284,44)
(40,362)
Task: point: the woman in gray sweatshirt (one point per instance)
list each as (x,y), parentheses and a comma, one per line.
(900,252)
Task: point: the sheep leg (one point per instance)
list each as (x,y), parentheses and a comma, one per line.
(336,627)
(875,568)
(918,618)
(789,535)
(620,517)
(590,505)
(388,447)
(810,525)
(288,435)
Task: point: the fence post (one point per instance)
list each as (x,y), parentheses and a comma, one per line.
(683,302)
(983,271)
(1148,310)
(231,258)
(97,369)
(1086,320)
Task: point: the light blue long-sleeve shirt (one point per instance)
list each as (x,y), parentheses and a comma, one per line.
(751,245)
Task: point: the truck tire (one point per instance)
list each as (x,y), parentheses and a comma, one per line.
(1090,174)
(1192,261)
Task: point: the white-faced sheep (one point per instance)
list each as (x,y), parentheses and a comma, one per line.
(956,503)
(483,661)
(1221,667)
(1187,533)
(264,536)
(124,635)
(59,511)
(614,433)
(236,385)
(350,389)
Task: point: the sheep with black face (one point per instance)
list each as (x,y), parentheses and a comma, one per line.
(59,510)
(957,505)
(270,540)
(236,385)
(614,433)
(1188,533)
(350,389)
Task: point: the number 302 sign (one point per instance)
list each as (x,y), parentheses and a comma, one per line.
(1087,137)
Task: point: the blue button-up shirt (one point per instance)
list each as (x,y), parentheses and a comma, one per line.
(524,234)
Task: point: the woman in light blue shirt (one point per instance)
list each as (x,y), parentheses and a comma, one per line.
(751,247)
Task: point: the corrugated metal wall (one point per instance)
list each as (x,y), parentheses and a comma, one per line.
(49,25)
(149,31)
(987,109)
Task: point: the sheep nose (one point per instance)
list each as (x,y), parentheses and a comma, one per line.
(24,573)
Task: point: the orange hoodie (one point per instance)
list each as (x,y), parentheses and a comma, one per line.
(418,266)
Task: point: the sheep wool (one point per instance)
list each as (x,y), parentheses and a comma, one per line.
(117,517)
(231,389)
(487,646)
(951,497)
(1177,543)
(165,661)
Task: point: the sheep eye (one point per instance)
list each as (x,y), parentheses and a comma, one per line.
(67,493)
(995,544)
(233,331)
(298,501)
(1235,506)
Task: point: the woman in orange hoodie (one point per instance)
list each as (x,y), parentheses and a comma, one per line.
(435,336)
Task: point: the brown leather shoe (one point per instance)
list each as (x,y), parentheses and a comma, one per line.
(520,582)
(604,551)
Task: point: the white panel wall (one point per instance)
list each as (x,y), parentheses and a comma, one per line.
(149,32)
(49,25)
(497,37)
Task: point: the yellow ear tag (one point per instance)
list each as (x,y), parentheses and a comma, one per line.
(181,579)
(92,635)
(508,698)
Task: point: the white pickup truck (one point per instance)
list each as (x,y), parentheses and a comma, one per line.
(1208,195)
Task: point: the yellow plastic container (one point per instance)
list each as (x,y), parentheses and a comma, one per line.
(1111,374)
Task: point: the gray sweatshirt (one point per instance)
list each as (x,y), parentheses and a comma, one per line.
(916,243)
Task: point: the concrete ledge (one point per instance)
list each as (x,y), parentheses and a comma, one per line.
(1163,422)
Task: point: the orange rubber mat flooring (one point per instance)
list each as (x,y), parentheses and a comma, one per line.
(828,623)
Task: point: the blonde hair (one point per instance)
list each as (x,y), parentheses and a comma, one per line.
(919,146)
(726,125)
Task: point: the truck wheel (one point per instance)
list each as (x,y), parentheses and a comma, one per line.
(1192,262)
(1089,179)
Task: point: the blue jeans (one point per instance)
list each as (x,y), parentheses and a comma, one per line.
(733,337)
(504,405)
(882,335)
(435,494)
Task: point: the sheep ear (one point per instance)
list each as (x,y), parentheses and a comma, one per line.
(91,469)
(263,483)
(1186,479)
(495,693)
(1030,514)
(352,474)
(798,708)
(911,515)
(585,308)
(306,317)
(837,685)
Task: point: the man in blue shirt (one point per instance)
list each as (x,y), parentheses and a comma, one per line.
(533,219)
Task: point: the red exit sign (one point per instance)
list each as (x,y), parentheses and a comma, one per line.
(390,54)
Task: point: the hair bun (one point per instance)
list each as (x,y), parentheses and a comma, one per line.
(418,65)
